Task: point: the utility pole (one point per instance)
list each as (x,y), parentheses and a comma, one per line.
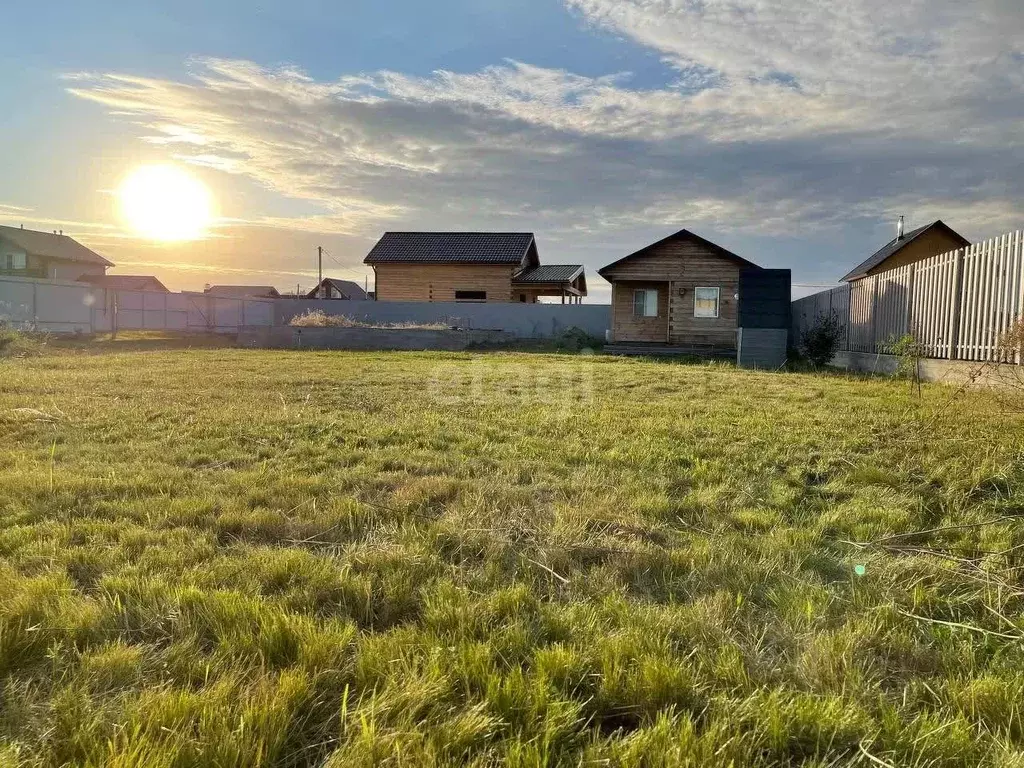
(319,270)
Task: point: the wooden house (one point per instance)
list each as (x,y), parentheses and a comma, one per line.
(906,248)
(469,267)
(683,294)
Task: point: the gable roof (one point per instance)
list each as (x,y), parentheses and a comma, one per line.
(682,234)
(549,273)
(452,248)
(123,282)
(352,291)
(244,291)
(51,246)
(896,245)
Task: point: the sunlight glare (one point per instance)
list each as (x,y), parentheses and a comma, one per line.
(163,202)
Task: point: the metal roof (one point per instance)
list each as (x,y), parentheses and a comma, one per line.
(51,246)
(123,282)
(895,245)
(451,247)
(244,291)
(352,291)
(549,273)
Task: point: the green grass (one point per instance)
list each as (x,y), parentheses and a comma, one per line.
(223,557)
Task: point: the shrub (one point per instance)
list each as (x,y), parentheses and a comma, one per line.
(316,318)
(909,351)
(17,343)
(820,342)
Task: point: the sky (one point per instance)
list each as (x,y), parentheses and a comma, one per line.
(793,132)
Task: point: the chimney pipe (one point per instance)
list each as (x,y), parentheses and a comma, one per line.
(899,229)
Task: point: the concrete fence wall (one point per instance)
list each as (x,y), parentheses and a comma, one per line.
(69,307)
(522,320)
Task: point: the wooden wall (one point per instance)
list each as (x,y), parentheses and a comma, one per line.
(931,243)
(439,282)
(676,268)
(626,326)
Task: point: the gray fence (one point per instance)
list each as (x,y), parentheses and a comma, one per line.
(957,305)
(523,320)
(66,307)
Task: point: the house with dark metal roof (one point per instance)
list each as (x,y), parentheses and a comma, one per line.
(469,266)
(243,291)
(48,256)
(909,247)
(125,282)
(687,295)
(333,288)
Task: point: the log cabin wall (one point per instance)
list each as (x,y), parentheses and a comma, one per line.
(439,282)
(676,268)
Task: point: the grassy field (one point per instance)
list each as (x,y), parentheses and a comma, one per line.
(223,557)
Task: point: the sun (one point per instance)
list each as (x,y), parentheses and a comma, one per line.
(163,202)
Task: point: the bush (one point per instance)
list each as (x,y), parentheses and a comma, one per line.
(909,352)
(16,343)
(821,341)
(316,318)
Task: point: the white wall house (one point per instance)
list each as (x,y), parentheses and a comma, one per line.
(46,255)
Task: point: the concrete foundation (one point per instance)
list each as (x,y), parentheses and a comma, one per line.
(956,372)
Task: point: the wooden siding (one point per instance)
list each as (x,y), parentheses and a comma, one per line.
(628,327)
(931,243)
(439,282)
(676,268)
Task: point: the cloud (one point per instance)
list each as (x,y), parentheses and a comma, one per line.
(774,119)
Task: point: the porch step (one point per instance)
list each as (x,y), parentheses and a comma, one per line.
(637,349)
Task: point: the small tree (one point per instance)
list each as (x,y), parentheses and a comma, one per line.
(820,342)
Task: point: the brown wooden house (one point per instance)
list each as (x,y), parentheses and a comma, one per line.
(906,248)
(469,267)
(682,291)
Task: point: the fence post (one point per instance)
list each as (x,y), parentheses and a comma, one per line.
(910,299)
(954,315)
(874,313)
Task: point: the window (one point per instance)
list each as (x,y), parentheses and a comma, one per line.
(13,261)
(645,302)
(705,302)
(471,295)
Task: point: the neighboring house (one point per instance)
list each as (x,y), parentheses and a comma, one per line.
(125,282)
(244,291)
(45,255)
(332,288)
(468,266)
(917,245)
(684,291)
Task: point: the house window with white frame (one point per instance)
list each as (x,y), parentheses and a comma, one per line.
(645,302)
(706,302)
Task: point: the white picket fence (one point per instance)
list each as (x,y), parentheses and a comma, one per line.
(957,305)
